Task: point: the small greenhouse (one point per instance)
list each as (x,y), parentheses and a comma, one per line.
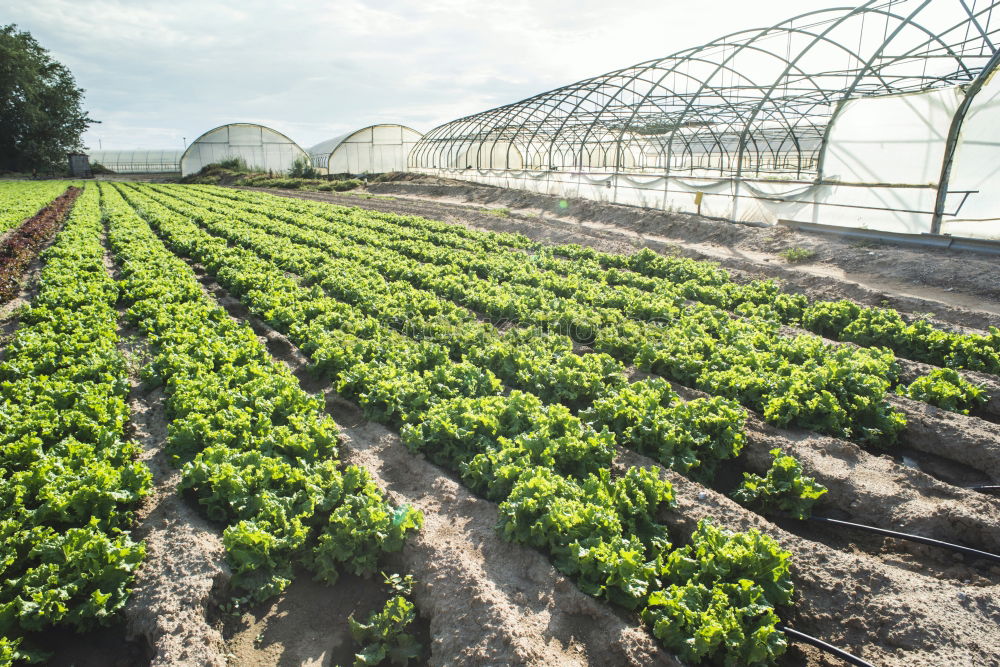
(260,147)
(375,149)
(138,161)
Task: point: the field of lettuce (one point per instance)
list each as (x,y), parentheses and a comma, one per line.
(211,398)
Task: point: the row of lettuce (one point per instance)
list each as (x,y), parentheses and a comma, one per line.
(799,381)
(20,247)
(691,437)
(711,599)
(69,483)
(20,200)
(257,454)
(706,282)
(646,286)
(256,451)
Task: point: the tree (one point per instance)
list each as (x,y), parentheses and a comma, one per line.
(41,117)
(302,168)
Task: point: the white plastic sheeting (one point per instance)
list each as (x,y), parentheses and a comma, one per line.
(371,150)
(260,147)
(491,155)
(898,139)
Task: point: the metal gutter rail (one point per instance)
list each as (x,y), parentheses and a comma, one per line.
(944,242)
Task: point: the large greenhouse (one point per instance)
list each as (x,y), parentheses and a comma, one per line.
(885,116)
(374,149)
(258,146)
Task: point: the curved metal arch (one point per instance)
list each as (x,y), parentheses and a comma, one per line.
(653,86)
(951,145)
(834,25)
(483,117)
(554,105)
(780,120)
(885,43)
(722,66)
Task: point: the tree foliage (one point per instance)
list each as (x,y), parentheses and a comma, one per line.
(41,113)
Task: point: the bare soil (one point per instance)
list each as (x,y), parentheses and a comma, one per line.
(876,490)
(305,625)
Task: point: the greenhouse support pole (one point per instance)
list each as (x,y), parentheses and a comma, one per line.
(954,133)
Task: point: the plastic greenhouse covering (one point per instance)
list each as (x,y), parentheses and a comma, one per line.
(258,146)
(371,150)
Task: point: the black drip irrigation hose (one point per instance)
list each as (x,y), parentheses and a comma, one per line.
(822,645)
(968,551)
(984,488)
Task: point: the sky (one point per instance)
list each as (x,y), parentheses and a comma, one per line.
(159,74)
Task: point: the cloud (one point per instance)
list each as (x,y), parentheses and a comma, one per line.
(158,73)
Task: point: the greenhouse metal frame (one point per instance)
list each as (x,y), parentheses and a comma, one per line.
(750,121)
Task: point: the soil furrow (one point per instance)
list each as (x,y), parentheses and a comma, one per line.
(490,601)
(185,566)
(968,440)
(875,490)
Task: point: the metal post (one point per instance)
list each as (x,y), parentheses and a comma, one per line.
(954,134)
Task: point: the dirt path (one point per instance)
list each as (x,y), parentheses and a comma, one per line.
(185,566)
